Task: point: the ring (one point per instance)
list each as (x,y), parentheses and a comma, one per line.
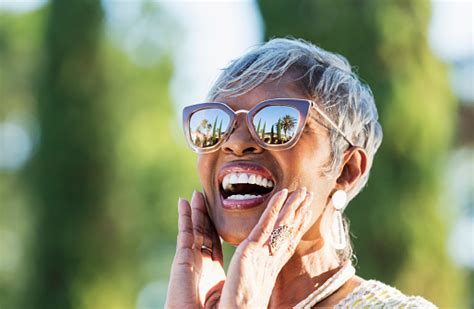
(206,249)
(278,236)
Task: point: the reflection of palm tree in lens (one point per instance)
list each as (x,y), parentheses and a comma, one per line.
(205,126)
(258,128)
(271,134)
(199,135)
(219,131)
(214,133)
(279,140)
(288,123)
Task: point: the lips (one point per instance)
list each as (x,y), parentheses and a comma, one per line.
(244,185)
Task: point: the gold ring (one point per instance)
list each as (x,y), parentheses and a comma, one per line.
(206,249)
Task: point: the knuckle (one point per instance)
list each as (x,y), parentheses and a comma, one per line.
(184,257)
(291,248)
(198,230)
(185,230)
(267,232)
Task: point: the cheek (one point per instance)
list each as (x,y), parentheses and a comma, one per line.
(204,168)
(305,166)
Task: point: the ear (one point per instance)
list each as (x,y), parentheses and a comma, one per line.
(352,169)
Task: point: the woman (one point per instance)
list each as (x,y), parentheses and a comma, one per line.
(291,143)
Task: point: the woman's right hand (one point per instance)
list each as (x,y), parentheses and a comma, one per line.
(197,275)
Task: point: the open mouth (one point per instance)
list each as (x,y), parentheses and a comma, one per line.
(244,185)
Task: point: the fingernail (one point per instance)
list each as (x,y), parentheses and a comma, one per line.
(284,191)
(180,203)
(303,192)
(309,199)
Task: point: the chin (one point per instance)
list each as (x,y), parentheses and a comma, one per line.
(234,240)
(236,232)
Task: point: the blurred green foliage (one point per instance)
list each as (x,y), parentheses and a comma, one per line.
(93,216)
(18,71)
(400,233)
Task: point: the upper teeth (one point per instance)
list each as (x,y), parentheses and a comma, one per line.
(235,178)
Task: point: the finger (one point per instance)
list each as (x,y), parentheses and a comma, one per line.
(211,237)
(185,226)
(217,247)
(305,205)
(209,229)
(293,203)
(264,227)
(297,204)
(306,217)
(201,222)
(302,222)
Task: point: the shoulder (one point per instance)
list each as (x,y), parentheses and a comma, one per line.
(373,293)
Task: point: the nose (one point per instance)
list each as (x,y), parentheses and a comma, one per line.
(240,142)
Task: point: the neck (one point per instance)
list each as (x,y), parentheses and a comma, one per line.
(311,265)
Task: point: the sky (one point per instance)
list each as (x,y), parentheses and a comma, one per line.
(451,32)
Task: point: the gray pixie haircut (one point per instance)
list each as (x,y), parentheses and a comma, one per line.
(328,79)
(325,77)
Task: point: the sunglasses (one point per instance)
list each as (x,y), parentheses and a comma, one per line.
(275,124)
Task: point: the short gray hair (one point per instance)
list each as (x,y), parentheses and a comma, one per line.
(325,77)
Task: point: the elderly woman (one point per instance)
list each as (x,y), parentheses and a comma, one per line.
(287,140)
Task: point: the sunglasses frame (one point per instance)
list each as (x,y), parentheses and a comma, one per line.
(301,105)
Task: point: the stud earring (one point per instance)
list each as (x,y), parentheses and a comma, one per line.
(339,200)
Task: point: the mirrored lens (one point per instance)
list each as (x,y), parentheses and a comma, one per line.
(276,125)
(207,127)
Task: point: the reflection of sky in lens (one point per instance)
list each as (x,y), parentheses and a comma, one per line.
(271,114)
(210,115)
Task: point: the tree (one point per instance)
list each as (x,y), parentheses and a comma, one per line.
(287,123)
(400,232)
(278,125)
(272,132)
(71,164)
(203,125)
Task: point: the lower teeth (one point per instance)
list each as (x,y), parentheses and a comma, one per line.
(242,196)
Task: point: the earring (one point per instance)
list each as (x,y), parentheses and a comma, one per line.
(339,199)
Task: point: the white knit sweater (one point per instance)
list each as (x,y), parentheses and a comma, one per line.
(375,294)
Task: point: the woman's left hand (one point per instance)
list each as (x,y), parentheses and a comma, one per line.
(254,268)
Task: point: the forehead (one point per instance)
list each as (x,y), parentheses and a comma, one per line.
(285,87)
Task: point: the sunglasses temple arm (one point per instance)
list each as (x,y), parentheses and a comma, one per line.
(332,124)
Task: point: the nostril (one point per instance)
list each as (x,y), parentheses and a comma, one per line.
(227,149)
(250,150)
(240,150)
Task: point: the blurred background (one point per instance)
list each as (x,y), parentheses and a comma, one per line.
(93,159)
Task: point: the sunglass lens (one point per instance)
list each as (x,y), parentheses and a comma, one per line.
(276,125)
(207,127)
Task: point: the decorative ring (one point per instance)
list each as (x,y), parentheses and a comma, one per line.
(278,236)
(206,249)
